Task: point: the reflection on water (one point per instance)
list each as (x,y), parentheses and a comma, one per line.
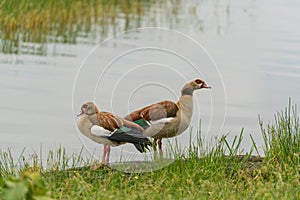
(27,28)
(256,49)
(36,30)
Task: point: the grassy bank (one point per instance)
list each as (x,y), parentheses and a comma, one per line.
(211,172)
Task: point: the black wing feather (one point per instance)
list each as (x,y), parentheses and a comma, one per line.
(135,137)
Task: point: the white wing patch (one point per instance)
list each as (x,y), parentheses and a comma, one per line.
(162,121)
(100,131)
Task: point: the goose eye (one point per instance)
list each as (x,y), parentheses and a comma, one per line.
(198,81)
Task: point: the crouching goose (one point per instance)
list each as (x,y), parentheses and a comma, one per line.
(167,119)
(110,130)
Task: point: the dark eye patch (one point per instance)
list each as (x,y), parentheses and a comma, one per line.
(84,106)
(198,81)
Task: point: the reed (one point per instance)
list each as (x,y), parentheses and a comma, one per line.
(64,21)
(282,138)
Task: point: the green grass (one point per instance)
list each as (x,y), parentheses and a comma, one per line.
(212,171)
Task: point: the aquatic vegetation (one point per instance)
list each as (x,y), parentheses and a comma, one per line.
(25,22)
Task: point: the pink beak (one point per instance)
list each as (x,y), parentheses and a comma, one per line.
(205,86)
(80,113)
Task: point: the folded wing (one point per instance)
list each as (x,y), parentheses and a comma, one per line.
(121,131)
(163,111)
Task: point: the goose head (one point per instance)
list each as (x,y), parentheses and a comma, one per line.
(194,85)
(88,108)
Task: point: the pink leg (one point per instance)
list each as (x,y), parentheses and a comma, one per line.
(160,148)
(108,154)
(103,159)
(154,149)
(104,154)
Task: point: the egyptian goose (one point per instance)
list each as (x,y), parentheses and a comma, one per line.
(167,119)
(110,130)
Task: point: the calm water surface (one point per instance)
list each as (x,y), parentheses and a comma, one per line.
(255,45)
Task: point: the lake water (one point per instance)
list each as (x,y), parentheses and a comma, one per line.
(253,66)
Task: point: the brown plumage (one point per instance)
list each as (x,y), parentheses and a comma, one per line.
(155,111)
(109,121)
(109,129)
(167,119)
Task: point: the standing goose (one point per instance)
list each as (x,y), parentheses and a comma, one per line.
(109,130)
(167,119)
